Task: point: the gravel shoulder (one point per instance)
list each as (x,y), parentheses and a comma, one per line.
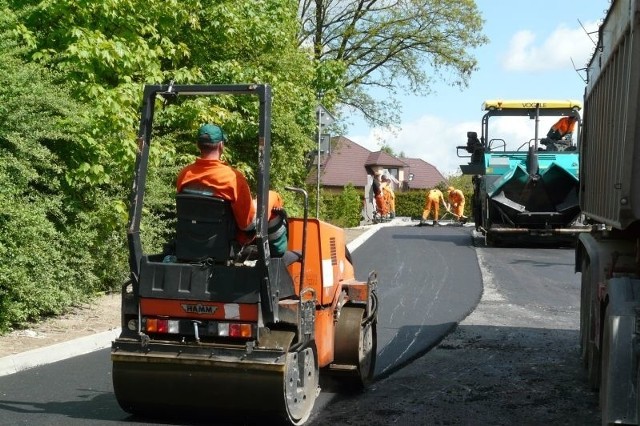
(102,314)
(480,375)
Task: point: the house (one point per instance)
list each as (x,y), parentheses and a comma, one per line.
(420,175)
(344,162)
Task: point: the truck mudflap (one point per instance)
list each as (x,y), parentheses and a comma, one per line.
(213,380)
(620,352)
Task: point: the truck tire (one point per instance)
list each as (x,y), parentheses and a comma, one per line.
(588,333)
(606,362)
(584,310)
(589,351)
(637,393)
(619,368)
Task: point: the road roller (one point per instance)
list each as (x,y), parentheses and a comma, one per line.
(210,329)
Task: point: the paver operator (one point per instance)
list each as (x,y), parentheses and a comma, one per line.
(559,135)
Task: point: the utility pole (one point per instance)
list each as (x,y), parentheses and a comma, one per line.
(324,119)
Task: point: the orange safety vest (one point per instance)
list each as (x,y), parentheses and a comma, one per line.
(226,183)
(565,125)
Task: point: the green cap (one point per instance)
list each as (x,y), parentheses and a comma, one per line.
(211,134)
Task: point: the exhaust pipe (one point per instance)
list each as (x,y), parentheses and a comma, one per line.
(533,168)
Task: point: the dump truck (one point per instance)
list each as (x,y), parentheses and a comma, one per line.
(609,257)
(210,330)
(524,189)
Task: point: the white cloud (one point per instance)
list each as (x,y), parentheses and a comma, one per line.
(429,138)
(435,135)
(556,51)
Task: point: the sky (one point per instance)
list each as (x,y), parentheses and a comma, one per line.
(531,53)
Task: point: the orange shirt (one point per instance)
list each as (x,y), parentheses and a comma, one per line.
(565,125)
(226,183)
(456,196)
(387,189)
(274,202)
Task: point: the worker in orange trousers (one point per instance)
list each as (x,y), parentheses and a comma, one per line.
(389,196)
(432,205)
(456,203)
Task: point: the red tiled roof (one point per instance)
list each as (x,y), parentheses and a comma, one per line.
(344,165)
(347,161)
(425,175)
(381,158)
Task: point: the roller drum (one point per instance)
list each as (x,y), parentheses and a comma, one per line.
(214,382)
(355,347)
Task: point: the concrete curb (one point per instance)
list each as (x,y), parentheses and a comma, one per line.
(57,352)
(357,242)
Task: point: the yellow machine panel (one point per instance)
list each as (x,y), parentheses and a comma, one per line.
(530,103)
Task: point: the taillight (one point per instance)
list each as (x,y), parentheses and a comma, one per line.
(152,325)
(235,329)
(211,328)
(223,329)
(161,325)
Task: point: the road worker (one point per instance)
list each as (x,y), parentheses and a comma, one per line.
(559,134)
(381,207)
(432,204)
(389,197)
(209,173)
(456,203)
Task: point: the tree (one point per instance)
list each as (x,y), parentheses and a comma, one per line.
(387,148)
(398,44)
(73,74)
(108,49)
(54,251)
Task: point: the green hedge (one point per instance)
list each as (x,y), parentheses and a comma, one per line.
(410,204)
(344,209)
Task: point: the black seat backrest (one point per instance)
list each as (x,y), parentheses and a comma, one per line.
(206,228)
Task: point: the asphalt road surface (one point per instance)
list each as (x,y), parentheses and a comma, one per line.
(428,280)
(537,284)
(513,361)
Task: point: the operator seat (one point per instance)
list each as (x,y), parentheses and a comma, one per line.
(205,230)
(475,147)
